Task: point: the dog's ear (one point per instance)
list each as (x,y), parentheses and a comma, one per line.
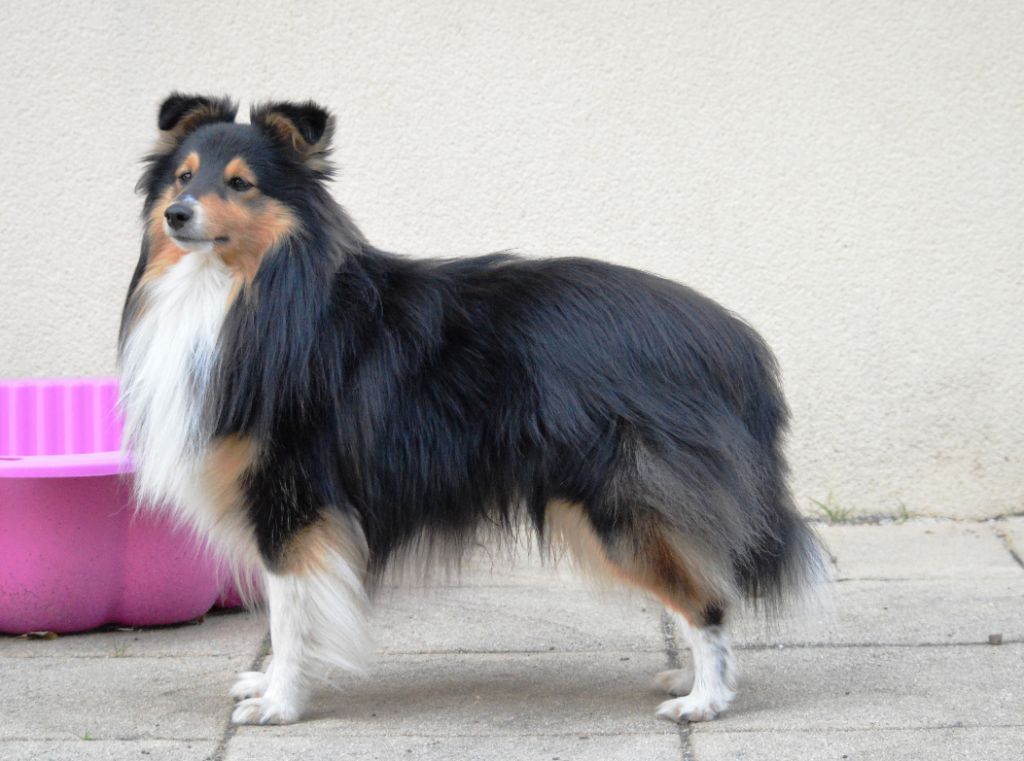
(181,114)
(305,128)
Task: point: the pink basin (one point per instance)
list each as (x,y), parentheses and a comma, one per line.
(74,554)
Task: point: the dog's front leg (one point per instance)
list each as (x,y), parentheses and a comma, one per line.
(317,605)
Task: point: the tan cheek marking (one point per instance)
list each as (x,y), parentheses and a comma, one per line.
(252,228)
(163,254)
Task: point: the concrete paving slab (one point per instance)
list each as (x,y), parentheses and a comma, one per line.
(886,676)
(507,695)
(904,612)
(504,619)
(220,633)
(329,747)
(183,698)
(918,549)
(876,688)
(946,744)
(107,750)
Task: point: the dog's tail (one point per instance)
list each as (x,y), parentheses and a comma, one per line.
(786,565)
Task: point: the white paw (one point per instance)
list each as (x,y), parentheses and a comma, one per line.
(675,682)
(264,710)
(693,708)
(250,684)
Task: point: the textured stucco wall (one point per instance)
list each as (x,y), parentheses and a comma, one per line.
(848,176)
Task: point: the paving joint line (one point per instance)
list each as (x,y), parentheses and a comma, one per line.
(109,657)
(752,647)
(1005,539)
(1015,556)
(175,739)
(869,645)
(873,728)
(230,729)
(668,634)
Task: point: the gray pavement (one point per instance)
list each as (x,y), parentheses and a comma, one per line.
(532,663)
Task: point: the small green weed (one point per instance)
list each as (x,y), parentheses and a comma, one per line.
(903,514)
(832,510)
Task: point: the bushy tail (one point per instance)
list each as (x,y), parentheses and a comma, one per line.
(789,566)
(787,563)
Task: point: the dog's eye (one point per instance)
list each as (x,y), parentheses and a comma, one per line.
(184,177)
(237,183)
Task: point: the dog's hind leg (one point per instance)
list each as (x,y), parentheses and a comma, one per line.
(714,677)
(711,685)
(676,682)
(690,599)
(652,558)
(317,608)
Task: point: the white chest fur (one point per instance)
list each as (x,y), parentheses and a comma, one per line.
(166,366)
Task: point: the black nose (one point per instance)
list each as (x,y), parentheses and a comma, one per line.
(177,215)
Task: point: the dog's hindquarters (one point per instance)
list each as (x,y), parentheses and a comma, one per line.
(694,508)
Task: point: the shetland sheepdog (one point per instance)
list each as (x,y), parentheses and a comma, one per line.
(318,408)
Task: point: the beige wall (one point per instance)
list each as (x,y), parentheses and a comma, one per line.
(849,176)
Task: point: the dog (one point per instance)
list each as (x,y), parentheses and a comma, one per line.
(318,409)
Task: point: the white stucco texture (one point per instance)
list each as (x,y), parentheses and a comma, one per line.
(847,176)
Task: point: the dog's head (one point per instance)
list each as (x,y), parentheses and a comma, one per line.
(213,185)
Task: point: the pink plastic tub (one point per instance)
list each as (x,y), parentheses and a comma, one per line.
(74,554)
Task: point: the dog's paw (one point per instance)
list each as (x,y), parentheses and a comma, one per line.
(675,682)
(250,684)
(264,710)
(692,708)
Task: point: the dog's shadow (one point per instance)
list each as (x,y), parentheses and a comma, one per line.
(494,689)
